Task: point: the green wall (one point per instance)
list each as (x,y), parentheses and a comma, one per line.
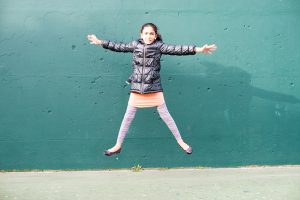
(62,100)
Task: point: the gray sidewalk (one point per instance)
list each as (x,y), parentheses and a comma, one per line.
(269,183)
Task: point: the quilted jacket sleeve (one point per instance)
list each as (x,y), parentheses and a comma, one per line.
(179,50)
(118,46)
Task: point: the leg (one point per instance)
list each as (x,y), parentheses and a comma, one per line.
(167,118)
(128,117)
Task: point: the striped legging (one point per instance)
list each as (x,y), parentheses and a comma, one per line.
(164,114)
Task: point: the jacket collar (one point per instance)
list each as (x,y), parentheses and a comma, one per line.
(141,41)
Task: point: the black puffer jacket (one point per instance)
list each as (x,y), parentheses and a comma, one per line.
(145,77)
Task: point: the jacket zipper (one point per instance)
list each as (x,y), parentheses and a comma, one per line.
(142,85)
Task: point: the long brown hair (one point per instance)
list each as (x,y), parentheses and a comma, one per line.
(154,28)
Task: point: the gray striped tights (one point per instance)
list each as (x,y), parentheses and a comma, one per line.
(164,115)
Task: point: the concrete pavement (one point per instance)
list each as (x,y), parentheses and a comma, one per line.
(246,183)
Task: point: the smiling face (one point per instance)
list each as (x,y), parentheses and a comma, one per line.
(148,35)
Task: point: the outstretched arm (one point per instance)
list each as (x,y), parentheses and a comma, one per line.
(113,46)
(186,49)
(178,50)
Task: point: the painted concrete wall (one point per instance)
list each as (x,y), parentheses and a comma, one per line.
(62,100)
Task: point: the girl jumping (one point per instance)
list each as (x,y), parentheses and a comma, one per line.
(146,88)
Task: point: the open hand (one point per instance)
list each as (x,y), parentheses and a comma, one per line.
(93,39)
(206,48)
